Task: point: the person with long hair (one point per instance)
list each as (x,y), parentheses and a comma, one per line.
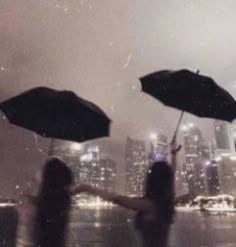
(154,211)
(43,218)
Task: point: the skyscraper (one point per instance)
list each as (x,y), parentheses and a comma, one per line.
(91,163)
(97,167)
(136,166)
(194,170)
(227,172)
(232,136)
(222,136)
(212,178)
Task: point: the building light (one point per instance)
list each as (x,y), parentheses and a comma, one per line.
(93,149)
(234,134)
(191,125)
(207,163)
(191,155)
(218,158)
(233,157)
(86,157)
(75,146)
(225,154)
(153,136)
(184,127)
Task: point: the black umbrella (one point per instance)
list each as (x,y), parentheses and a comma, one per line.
(57,114)
(191,92)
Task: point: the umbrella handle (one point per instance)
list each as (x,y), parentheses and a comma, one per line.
(177,128)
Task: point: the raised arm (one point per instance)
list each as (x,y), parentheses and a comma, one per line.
(174,150)
(133,203)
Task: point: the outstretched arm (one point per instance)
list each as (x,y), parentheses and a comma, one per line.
(133,203)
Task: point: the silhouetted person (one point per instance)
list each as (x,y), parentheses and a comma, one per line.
(44,218)
(155,210)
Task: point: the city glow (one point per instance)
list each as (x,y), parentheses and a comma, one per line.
(233,157)
(207,163)
(184,127)
(86,157)
(75,146)
(218,158)
(213,204)
(225,154)
(153,136)
(191,125)
(94,204)
(7,204)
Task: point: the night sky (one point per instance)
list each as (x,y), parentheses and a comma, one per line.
(99,49)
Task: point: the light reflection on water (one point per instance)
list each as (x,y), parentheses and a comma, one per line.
(114,227)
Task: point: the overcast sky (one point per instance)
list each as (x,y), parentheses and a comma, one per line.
(99,49)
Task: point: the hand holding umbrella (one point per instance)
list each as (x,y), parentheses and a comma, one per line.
(191,92)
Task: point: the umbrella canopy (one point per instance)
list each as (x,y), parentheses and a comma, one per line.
(57,114)
(191,92)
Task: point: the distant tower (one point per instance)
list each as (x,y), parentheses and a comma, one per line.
(227,173)
(91,162)
(232,137)
(222,136)
(136,166)
(212,178)
(194,170)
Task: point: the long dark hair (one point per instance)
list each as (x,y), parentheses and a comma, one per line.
(52,204)
(160,187)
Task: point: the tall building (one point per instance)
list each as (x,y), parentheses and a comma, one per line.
(91,163)
(108,173)
(194,169)
(227,173)
(89,167)
(96,167)
(212,178)
(225,135)
(136,166)
(232,137)
(222,136)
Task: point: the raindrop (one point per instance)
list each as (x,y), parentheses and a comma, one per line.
(127,61)
(112,108)
(97,224)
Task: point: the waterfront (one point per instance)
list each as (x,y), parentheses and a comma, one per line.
(114,228)
(106,228)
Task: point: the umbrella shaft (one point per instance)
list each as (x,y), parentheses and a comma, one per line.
(177,127)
